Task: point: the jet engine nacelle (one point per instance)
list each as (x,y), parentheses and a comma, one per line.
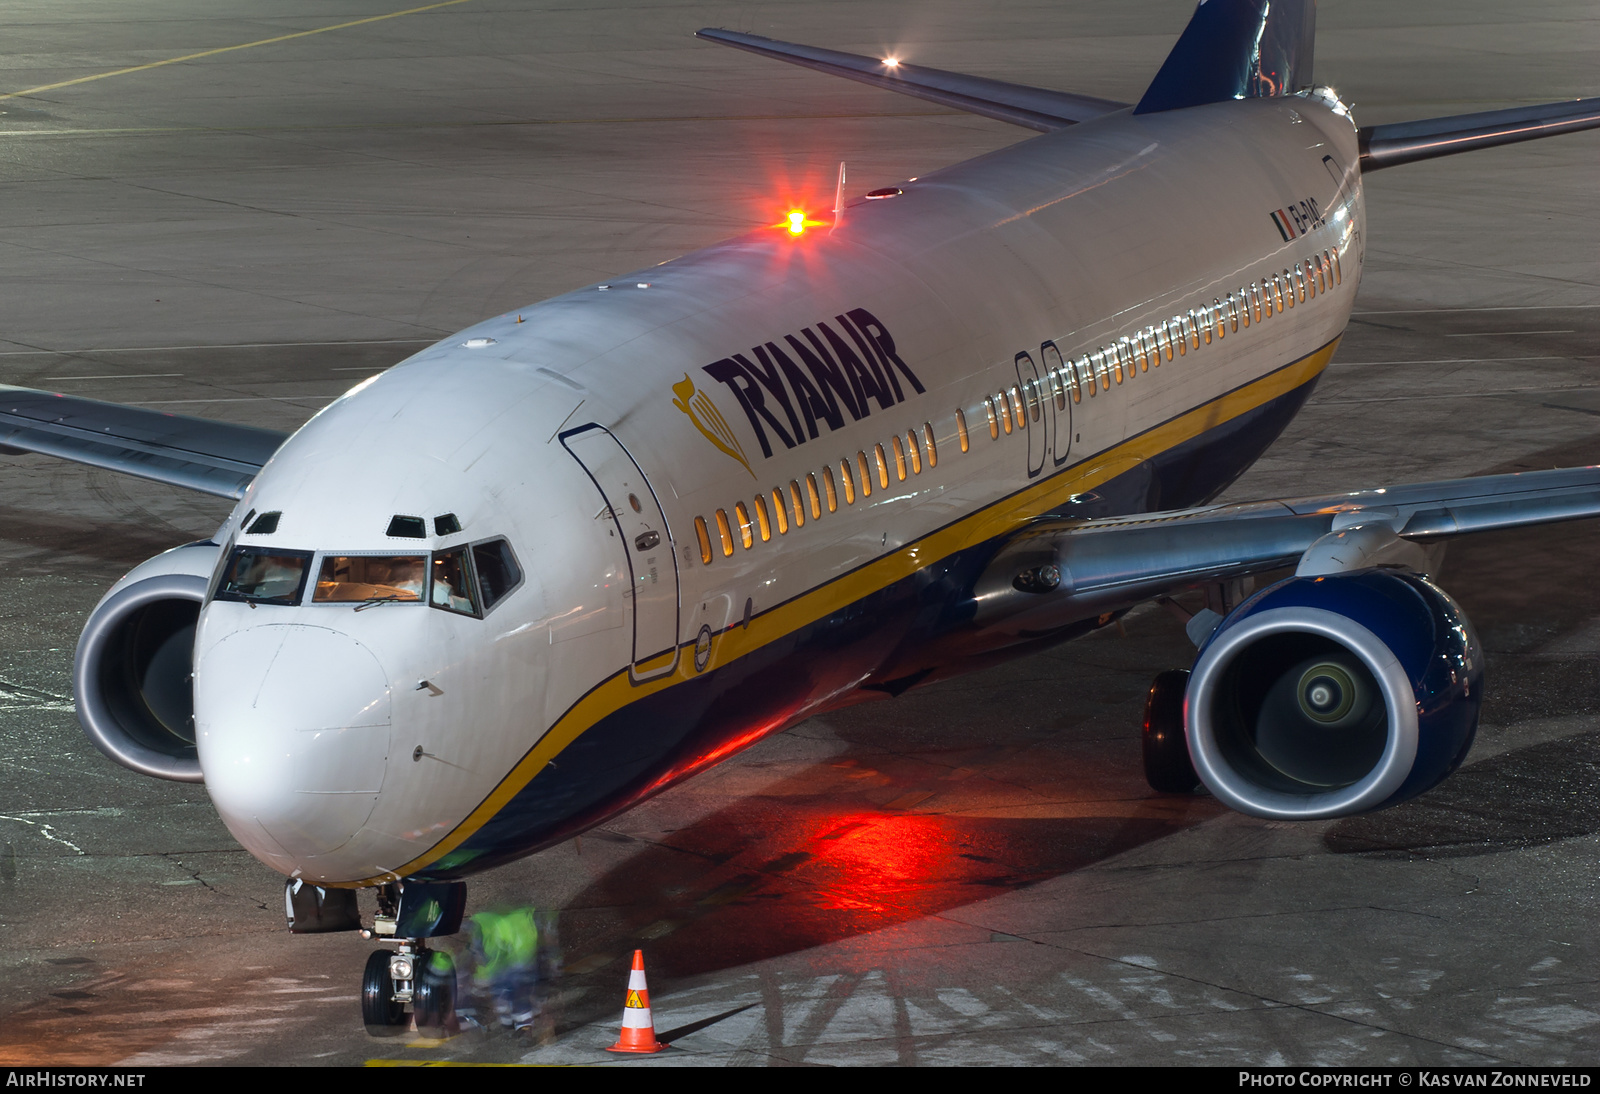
(1326,696)
(132,676)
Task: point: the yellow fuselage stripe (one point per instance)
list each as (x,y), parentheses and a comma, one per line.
(996,519)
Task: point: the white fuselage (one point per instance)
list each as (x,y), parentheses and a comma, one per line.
(349,745)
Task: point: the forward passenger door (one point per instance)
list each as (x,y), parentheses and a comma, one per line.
(645,541)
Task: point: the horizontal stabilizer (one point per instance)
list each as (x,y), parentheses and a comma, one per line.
(1407,142)
(211,457)
(1031,107)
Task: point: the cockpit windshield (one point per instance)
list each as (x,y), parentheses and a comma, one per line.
(345,578)
(264,575)
(468,580)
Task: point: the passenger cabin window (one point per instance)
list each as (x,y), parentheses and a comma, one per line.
(883,469)
(780,511)
(799,501)
(912,451)
(994,421)
(961,430)
(370,578)
(704,537)
(263,575)
(747,534)
(725,533)
(763,522)
(933,449)
(845,480)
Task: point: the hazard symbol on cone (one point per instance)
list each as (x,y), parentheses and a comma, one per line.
(638,1028)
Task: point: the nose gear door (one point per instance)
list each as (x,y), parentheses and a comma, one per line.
(644,539)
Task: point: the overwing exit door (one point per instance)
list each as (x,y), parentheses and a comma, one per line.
(1034,419)
(1058,401)
(644,539)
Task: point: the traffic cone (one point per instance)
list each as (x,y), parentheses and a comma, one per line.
(638,1028)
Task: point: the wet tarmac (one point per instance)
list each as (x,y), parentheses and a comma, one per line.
(971,873)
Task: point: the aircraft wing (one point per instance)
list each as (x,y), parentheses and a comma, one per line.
(212,457)
(1113,563)
(1407,142)
(1031,107)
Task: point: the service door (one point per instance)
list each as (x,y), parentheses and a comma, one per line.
(1033,414)
(644,539)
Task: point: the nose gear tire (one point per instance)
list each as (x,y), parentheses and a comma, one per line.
(383,1016)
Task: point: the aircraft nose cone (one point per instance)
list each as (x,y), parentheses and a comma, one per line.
(292,724)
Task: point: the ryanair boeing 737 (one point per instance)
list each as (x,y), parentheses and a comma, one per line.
(947,422)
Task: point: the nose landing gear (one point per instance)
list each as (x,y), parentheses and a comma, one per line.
(412,976)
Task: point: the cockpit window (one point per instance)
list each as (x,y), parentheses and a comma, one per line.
(346,578)
(263,575)
(408,528)
(265,525)
(452,583)
(498,572)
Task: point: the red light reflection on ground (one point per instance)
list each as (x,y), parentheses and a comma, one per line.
(795,867)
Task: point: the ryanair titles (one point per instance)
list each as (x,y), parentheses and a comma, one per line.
(817,377)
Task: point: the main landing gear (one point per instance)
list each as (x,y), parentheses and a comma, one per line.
(1167,766)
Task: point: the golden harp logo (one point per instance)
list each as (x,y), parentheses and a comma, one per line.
(708,419)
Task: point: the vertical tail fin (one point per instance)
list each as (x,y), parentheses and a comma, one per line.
(1236,49)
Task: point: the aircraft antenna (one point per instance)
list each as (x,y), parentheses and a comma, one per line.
(838,199)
